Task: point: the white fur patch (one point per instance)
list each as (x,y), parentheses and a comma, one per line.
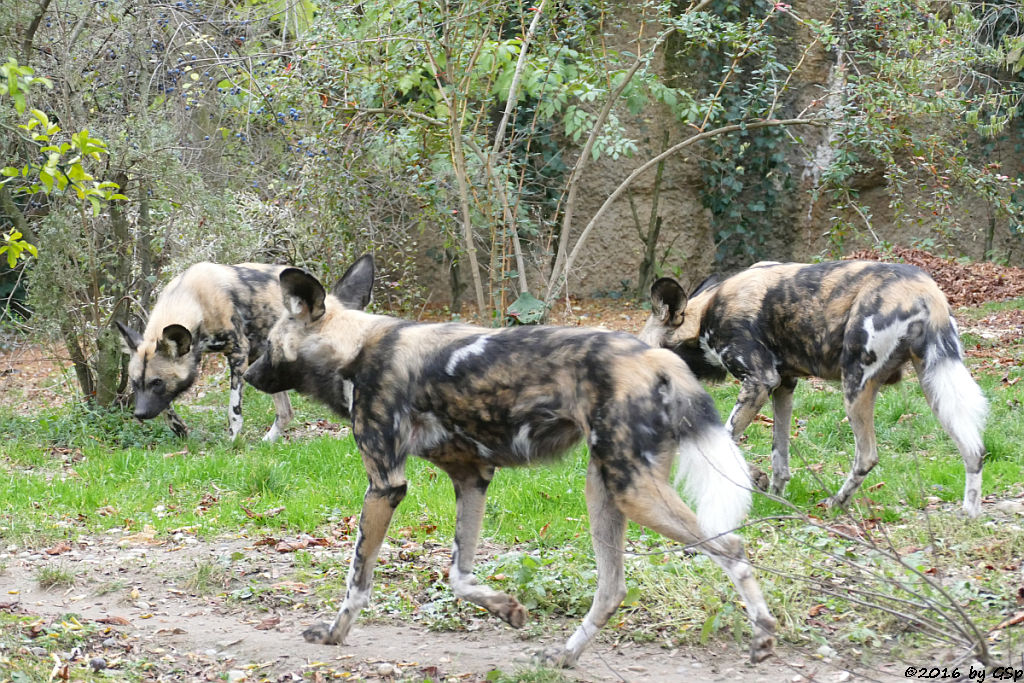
(295,305)
(715,478)
(521,444)
(711,355)
(957,401)
(882,342)
(732,416)
(348,389)
(428,432)
(474,349)
(419,433)
(234,414)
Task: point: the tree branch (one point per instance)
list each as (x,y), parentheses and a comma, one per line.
(554,285)
(559,276)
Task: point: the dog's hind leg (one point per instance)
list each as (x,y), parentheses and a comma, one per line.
(379,505)
(470,493)
(176,424)
(608,533)
(656,505)
(283,416)
(860,409)
(782,410)
(961,408)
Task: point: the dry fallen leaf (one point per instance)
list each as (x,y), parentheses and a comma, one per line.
(114,620)
(267,624)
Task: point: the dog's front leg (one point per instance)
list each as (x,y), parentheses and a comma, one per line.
(470,493)
(282,416)
(379,505)
(176,424)
(237,363)
(754,391)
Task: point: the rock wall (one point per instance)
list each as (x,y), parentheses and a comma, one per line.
(610,260)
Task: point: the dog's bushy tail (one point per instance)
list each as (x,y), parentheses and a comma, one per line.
(954,396)
(710,470)
(714,476)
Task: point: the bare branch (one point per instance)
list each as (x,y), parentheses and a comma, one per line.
(562,269)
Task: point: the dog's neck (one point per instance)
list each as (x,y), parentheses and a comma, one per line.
(695,309)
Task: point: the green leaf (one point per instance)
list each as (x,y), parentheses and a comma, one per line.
(708,628)
(526,310)
(47,180)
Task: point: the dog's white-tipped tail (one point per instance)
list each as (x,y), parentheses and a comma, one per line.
(715,478)
(957,401)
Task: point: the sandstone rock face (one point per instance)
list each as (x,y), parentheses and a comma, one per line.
(687,248)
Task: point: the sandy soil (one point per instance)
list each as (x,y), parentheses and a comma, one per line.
(136,588)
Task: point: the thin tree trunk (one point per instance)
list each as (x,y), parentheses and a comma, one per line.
(650,238)
(115,277)
(30,32)
(459,161)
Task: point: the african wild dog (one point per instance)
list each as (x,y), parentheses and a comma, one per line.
(470,400)
(208,308)
(855,321)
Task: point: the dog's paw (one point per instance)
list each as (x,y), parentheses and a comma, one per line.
(319,633)
(758,478)
(513,613)
(553,658)
(763,643)
(761,648)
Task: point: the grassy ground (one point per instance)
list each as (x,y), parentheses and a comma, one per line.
(899,572)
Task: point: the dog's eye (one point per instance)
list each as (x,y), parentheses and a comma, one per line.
(157,384)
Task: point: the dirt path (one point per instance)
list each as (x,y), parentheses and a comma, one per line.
(136,590)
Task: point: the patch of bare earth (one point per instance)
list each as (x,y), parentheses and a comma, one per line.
(135,589)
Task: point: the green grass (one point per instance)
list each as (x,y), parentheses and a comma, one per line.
(68,471)
(55,577)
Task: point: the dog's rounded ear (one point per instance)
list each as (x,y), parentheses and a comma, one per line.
(131,338)
(175,341)
(668,301)
(355,288)
(303,294)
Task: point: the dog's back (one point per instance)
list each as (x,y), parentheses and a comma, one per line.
(820,319)
(860,322)
(209,299)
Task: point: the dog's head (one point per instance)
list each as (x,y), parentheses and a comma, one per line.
(160,369)
(668,310)
(306,337)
